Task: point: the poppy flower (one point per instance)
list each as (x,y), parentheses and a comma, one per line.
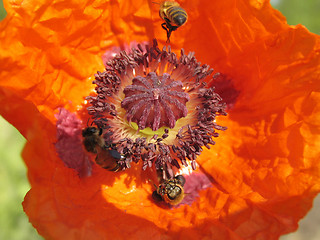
(256,182)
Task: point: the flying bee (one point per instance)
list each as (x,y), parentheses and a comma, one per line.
(173,15)
(106,158)
(171,190)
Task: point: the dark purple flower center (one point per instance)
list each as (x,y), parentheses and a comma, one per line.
(155,101)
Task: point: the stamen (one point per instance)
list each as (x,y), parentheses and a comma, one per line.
(156,108)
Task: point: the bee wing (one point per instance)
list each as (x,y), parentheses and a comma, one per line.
(105,160)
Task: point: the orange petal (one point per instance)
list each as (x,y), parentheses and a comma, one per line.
(262,167)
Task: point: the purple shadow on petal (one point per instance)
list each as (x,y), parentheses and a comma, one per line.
(195,182)
(69,143)
(224,86)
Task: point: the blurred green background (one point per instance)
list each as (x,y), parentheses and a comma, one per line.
(14,224)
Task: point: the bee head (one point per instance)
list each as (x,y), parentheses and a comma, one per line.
(90,131)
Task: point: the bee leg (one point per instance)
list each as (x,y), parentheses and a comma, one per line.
(156,197)
(164,26)
(168,35)
(168,30)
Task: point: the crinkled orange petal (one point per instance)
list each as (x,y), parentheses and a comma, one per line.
(264,168)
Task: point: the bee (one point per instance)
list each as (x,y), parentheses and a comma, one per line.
(173,15)
(171,190)
(106,158)
(92,139)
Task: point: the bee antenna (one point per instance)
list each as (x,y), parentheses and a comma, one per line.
(88,122)
(156,3)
